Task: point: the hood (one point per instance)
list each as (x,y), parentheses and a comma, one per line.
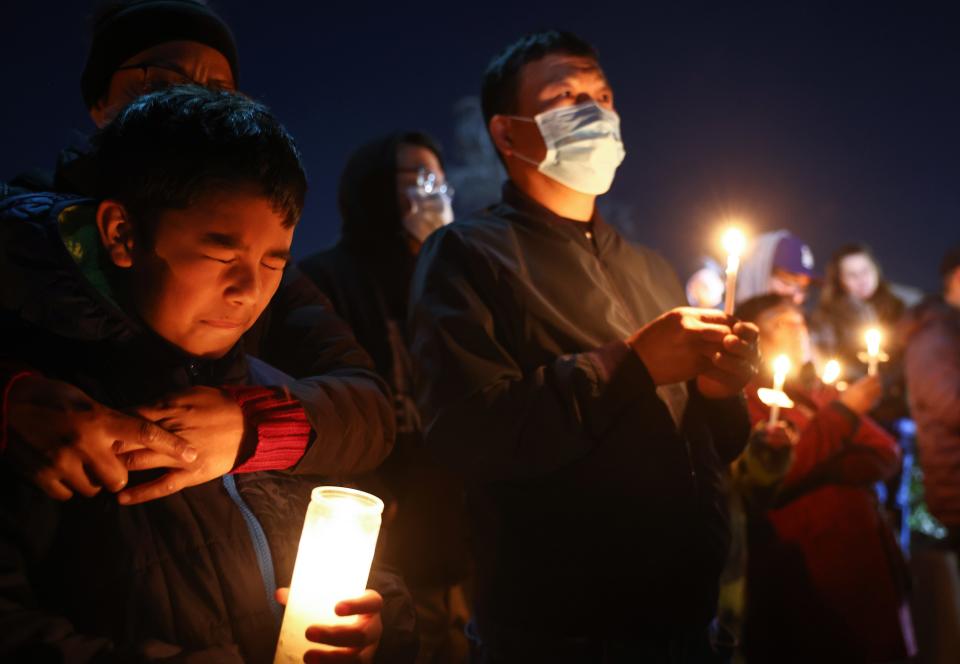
(372,229)
(367,198)
(52,270)
(754,276)
(56,279)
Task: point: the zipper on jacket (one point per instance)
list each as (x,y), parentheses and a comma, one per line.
(693,469)
(591,237)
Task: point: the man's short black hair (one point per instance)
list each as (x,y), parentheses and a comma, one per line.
(167,149)
(751,310)
(502,77)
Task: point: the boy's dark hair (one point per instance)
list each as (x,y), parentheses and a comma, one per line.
(498,94)
(168,148)
(751,310)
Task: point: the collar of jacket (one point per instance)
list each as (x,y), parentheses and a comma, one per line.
(76,171)
(529,210)
(49,289)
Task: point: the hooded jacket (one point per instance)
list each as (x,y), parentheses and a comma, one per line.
(594,495)
(299,334)
(824,544)
(367,277)
(754,276)
(90,580)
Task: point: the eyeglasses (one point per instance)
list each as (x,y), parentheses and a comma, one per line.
(159,77)
(429,183)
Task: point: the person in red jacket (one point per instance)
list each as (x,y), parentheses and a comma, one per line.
(825,579)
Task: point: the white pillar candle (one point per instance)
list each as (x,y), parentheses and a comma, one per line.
(333,562)
(733,244)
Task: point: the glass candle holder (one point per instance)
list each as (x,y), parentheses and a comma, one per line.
(333,563)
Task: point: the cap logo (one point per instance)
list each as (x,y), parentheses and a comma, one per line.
(806,257)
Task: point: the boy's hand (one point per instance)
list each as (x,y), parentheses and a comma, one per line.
(734,365)
(355,643)
(211,420)
(67,442)
(779,435)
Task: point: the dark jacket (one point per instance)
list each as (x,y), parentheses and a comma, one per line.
(837,327)
(89,580)
(932,364)
(594,512)
(825,544)
(297,333)
(367,277)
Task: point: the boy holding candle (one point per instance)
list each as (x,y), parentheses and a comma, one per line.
(821,546)
(144,290)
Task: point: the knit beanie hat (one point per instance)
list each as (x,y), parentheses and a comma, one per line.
(123,31)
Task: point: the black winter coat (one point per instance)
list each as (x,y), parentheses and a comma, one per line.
(89,580)
(298,333)
(367,277)
(594,513)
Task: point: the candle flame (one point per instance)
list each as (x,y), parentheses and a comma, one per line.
(781,367)
(831,372)
(734,242)
(872,337)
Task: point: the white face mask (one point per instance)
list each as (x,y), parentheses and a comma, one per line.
(431,206)
(583,146)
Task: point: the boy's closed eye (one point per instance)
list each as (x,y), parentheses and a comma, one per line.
(221,259)
(274,264)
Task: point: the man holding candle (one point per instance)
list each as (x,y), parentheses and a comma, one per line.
(144,290)
(822,544)
(589,413)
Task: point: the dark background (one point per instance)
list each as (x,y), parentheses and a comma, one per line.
(840,123)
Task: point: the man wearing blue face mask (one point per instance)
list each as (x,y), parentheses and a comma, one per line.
(558,372)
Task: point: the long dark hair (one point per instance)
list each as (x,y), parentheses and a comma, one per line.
(887,306)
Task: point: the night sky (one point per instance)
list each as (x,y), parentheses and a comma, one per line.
(840,124)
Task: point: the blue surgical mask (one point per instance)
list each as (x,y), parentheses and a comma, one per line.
(584,147)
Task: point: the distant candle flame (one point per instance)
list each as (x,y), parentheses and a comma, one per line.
(831,372)
(781,367)
(873,337)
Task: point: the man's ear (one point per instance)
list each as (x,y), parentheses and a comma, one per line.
(499,129)
(101,113)
(116,232)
